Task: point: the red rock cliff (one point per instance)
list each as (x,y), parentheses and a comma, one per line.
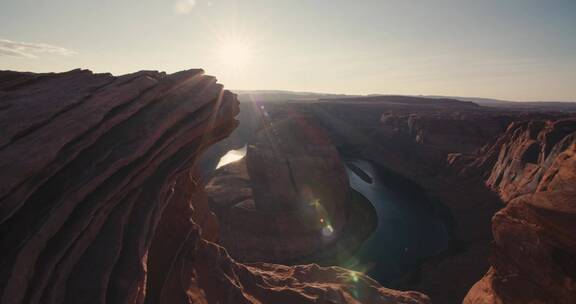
(534,243)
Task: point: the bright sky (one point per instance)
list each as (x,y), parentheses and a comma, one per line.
(509,49)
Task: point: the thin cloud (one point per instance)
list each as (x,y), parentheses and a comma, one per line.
(184,7)
(30,50)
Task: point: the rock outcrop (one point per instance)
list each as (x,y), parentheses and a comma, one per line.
(88,163)
(535,247)
(100,201)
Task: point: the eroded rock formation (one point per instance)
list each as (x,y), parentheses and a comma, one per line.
(100,201)
(535,247)
(88,162)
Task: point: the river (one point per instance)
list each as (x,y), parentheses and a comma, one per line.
(408,230)
(409,227)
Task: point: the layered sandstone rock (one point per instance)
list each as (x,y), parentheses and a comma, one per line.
(87,166)
(535,247)
(448,131)
(409,135)
(100,202)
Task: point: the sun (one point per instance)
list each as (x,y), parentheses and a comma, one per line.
(235,54)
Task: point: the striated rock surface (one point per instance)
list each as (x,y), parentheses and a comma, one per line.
(100,201)
(535,246)
(87,165)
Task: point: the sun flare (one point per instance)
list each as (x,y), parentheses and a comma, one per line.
(235,54)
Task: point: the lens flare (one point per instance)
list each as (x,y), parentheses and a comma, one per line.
(235,53)
(354,276)
(327,231)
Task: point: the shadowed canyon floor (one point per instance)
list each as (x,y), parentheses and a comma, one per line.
(110,194)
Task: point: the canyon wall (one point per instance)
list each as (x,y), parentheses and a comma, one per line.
(419,141)
(452,149)
(529,161)
(534,243)
(525,158)
(101,200)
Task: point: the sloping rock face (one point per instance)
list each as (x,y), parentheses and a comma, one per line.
(535,246)
(87,166)
(100,201)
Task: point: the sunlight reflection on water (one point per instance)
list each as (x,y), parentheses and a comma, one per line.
(232,156)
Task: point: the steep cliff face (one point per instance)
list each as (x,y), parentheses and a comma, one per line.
(457,131)
(411,136)
(535,247)
(100,201)
(87,166)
